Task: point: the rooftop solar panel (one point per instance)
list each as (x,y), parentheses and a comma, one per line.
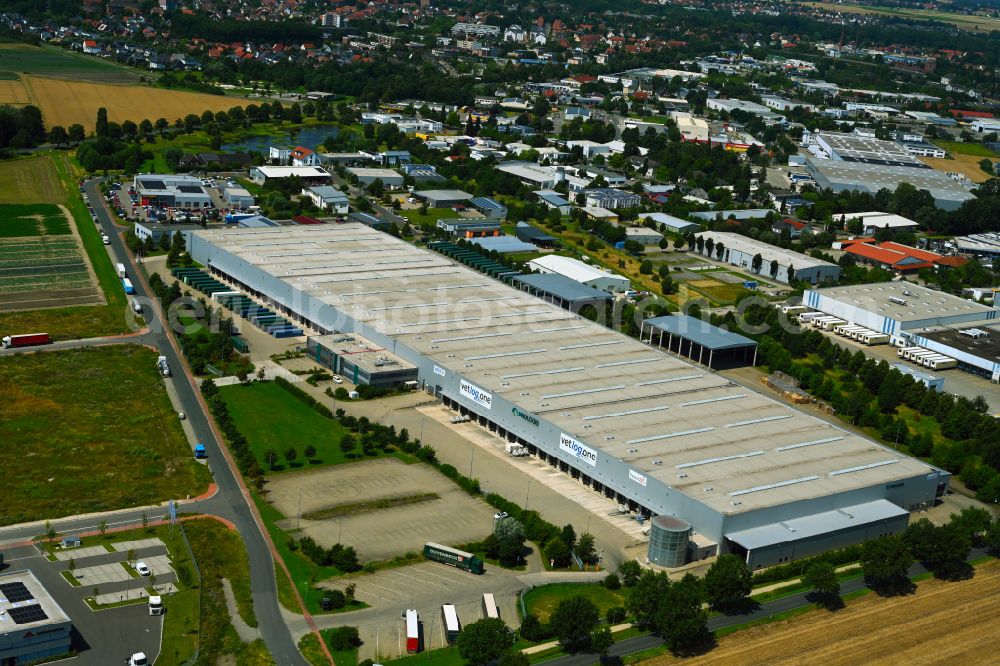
(15,592)
(27,614)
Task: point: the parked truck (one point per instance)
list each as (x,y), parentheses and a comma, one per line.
(163,366)
(454,557)
(26,340)
(156,605)
(412,619)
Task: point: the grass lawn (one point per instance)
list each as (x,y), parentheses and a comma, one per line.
(443,657)
(965,148)
(272,418)
(542,601)
(95,431)
(30,179)
(220,554)
(309,647)
(432,216)
(303,571)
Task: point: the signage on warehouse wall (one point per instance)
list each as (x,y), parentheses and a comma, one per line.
(530,418)
(638,478)
(577,450)
(476,394)
(438,370)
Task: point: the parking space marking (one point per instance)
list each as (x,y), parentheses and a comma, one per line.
(421,580)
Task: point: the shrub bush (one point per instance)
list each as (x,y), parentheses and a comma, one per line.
(344,638)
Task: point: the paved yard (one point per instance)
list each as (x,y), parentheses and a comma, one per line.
(452,518)
(133,593)
(137,544)
(101,574)
(77,554)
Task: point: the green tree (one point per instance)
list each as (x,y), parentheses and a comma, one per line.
(532,628)
(270,458)
(558,552)
(585,548)
(886,564)
(76,133)
(822,578)
(101,127)
(601,640)
(509,533)
(58,135)
(972,521)
(348,443)
(484,641)
(942,549)
(309,452)
(646,267)
(573,620)
(647,592)
(727,583)
(681,620)
(513,657)
(629,572)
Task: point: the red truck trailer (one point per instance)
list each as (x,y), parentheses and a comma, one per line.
(412,631)
(26,340)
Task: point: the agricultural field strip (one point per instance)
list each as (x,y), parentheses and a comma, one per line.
(51,259)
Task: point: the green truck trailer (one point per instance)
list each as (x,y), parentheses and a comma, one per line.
(454,557)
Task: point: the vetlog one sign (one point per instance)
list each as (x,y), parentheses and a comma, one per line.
(638,478)
(476,394)
(577,450)
(530,418)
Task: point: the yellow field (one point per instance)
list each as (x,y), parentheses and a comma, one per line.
(965,164)
(68,102)
(943,623)
(961,21)
(13,92)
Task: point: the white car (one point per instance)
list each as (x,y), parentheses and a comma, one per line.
(143,569)
(337,379)
(181,416)
(137,659)
(500,516)
(106,240)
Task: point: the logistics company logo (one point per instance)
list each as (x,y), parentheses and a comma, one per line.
(530,418)
(438,370)
(578,450)
(476,394)
(638,478)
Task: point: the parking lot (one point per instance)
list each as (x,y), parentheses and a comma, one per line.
(425,587)
(107,636)
(452,517)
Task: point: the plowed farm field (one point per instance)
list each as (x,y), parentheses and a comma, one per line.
(68,102)
(942,623)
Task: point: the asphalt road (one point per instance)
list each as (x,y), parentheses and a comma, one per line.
(229,502)
(762,612)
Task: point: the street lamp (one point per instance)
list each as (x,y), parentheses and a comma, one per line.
(526,494)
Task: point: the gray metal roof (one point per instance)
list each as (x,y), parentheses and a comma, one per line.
(443,195)
(807,527)
(701,332)
(503,244)
(488,203)
(562,287)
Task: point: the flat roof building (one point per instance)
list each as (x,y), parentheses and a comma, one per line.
(554,201)
(671,224)
(891,307)
(629,421)
(643,235)
(775,261)
(489,207)
(875,221)
(610,198)
(443,198)
(697,332)
(841,147)
(360,361)
(585,274)
(563,291)
(841,176)
(237,197)
(312,175)
(503,244)
(367,176)
(171,191)
(33,627)
(532,234)
(462,227)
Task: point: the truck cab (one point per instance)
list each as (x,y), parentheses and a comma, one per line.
(156,605)
(137,659)
(200,452)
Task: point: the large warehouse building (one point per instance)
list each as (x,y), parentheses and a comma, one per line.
(748,474)
(32,625)
(776,262)
(917,316)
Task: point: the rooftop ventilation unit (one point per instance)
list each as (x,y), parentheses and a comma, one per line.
(657,462)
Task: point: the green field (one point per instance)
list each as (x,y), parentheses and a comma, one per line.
(432,216)
(52,61)
(448,656)
(542,601)
(961,21)
(32,220)
(965,148)
(31,179)
(272,418)
(309,647)
(41,263)
(89,430)
(220,554)
(72,322)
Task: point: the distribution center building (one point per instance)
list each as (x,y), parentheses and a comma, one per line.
(32,625)
(749,474)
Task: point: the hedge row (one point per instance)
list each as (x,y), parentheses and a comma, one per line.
(246,461)
(797,568)
(301,395)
